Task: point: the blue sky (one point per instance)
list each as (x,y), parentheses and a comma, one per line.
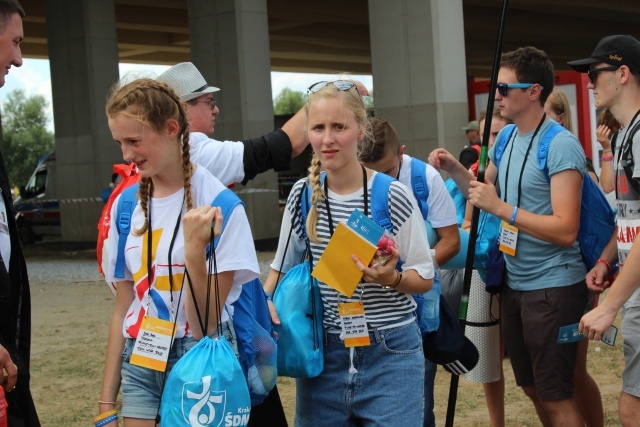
(34,77)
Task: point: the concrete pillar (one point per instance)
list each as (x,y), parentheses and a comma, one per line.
(83,58)
(419,78)
(230,46)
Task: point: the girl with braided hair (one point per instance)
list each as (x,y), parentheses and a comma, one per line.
(381,383)
(171,226)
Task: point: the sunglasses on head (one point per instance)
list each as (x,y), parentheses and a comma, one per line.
(503,88)
(593,72)
(343,85)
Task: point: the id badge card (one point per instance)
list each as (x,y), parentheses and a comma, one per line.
(609,336)
(508,238)
(354,324)
(570,333)
(152,346)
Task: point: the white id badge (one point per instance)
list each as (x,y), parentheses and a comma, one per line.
(508,238)
(152,346)
(354,324)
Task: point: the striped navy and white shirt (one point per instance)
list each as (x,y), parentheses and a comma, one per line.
(382,307)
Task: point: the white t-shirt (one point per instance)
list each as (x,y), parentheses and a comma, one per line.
(442,211)
(5,238)
(224,159)
(628,202)
(235,252)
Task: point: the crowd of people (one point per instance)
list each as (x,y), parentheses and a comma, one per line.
(165,125)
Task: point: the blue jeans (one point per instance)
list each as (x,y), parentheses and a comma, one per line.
(386,391)
(430,370)
(142,387)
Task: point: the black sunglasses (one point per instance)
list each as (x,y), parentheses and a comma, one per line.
(343,85)
(503,88)
(593,72)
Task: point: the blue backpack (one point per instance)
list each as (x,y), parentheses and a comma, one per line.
(458,199)
(597,219)
(251,318)
(419,185)
(421,192)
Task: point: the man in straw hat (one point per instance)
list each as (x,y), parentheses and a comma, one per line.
(234,161)
(614,77)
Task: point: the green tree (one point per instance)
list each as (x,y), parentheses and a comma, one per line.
(288,101)
(26,137)
(368,102)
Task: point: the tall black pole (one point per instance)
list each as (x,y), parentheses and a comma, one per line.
(473,233)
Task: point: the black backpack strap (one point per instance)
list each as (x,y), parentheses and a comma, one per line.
(626,157)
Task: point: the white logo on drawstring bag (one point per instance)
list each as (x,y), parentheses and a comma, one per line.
(201,406)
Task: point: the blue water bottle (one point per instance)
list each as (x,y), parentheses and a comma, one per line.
(428,304)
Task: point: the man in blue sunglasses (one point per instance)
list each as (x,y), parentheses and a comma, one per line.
(614,77)
(544,286)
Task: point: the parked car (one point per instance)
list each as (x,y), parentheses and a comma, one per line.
(38,208)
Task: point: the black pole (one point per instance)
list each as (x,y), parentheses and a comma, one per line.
(473,233)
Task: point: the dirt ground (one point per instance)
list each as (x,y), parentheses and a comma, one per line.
(72,307)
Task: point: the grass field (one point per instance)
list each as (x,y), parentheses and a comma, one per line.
(70,326)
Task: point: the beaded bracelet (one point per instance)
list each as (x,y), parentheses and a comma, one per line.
(106,421)
(605,262)
(99,421)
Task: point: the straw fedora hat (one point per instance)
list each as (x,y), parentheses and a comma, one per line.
(187,82)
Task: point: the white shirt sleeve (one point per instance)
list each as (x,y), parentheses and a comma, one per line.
(224,159)
(411,238)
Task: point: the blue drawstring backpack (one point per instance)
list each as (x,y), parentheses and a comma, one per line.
(256,346)
(297,297)
(206,387)
(300,346)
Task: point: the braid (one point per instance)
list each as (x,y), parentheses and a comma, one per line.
(143,195)
(316,197)
(187,170)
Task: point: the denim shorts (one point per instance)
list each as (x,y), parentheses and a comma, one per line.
(386,391)
(142,387)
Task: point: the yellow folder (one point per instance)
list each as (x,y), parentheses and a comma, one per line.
(336,268)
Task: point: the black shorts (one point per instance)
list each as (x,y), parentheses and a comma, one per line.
(531,323)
